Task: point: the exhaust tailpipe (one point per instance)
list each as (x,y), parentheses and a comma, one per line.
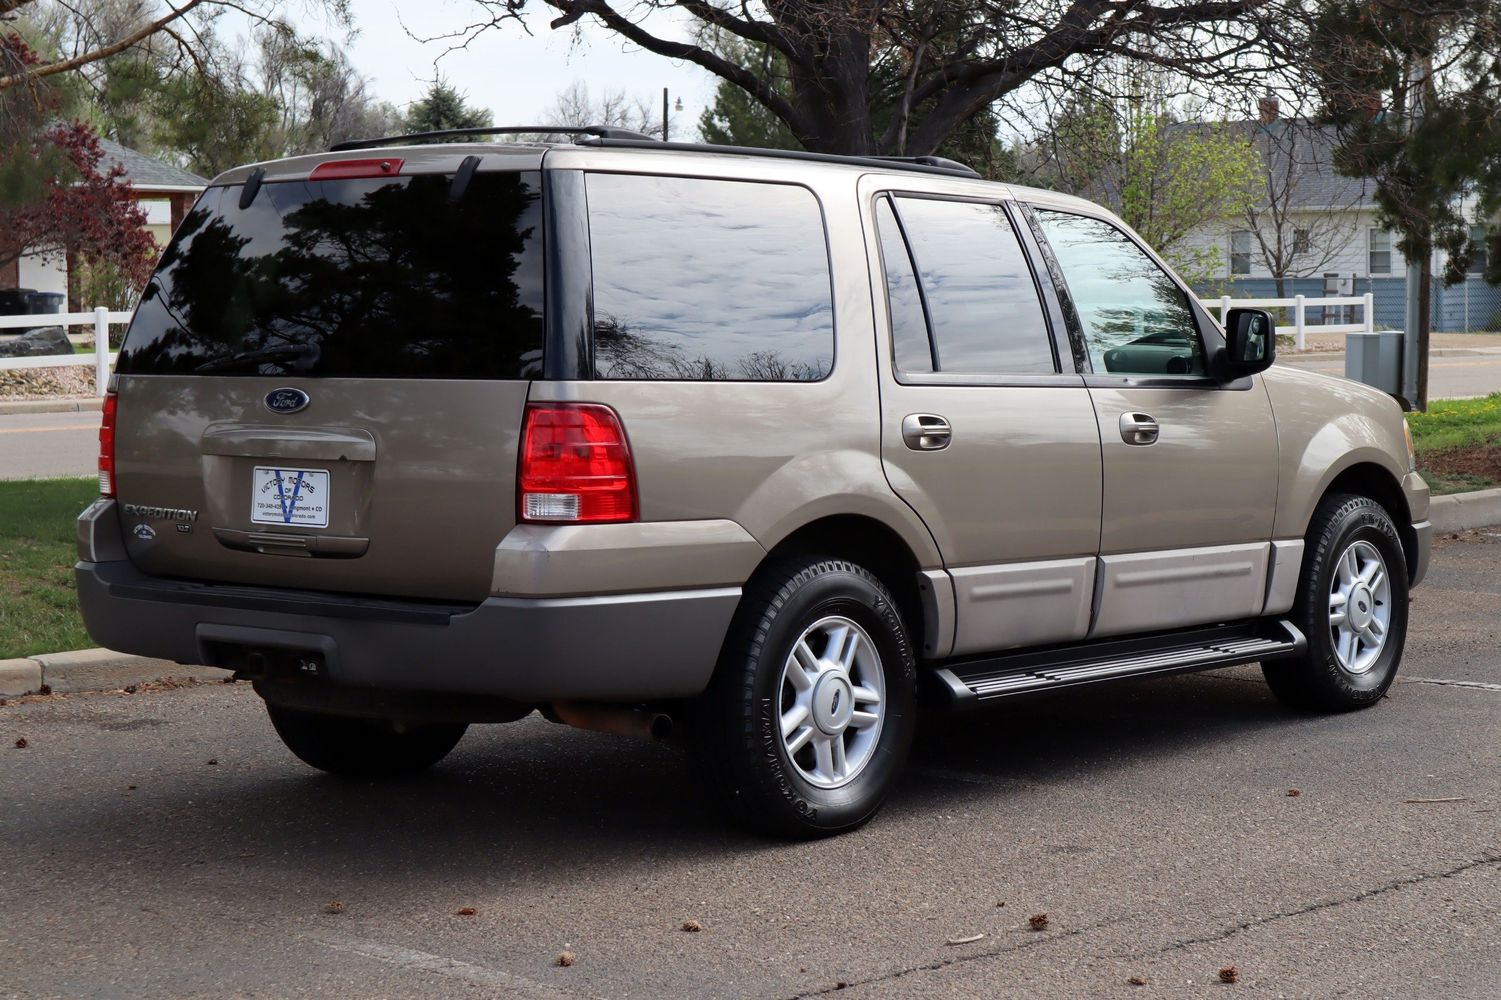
(618,719)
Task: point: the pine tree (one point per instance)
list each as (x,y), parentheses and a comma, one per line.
(443,108)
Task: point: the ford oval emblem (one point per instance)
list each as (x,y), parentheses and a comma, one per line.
(286,400)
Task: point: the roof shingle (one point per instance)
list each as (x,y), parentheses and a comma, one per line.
(148,171)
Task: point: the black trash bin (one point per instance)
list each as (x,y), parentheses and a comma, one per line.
(15,301)
(46,302)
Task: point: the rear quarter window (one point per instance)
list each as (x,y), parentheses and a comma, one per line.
(709,280)
(375,278)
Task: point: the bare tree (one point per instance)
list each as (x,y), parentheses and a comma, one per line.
(957,57)
(577,107)
(1302,214)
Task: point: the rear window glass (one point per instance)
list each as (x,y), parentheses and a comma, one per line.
(708,280)
(982,302)
(375,278)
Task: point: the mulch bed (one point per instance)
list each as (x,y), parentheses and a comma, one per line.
(1482,461)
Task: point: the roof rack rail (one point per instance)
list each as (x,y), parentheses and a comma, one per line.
(609,135)
(596,131)
(923,164)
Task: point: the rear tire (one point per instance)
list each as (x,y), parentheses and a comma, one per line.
(367,748)
(810,715)
(1352,606)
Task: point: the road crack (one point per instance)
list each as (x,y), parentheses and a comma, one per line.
(1329,904)
(1036,940)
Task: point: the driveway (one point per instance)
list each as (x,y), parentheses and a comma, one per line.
(164,844)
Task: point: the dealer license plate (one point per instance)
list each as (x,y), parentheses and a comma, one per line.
(289,496)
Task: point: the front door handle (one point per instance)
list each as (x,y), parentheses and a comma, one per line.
(1138,428)
(926,432)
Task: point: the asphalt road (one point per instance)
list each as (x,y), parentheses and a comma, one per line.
(1449,377)
(166,845)
(39,445)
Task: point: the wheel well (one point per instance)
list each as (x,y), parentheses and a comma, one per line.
(869,543)
(1373,481)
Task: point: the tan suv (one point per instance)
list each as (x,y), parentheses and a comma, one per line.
(766,446)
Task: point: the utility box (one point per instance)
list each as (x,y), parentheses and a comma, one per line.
(1376,359)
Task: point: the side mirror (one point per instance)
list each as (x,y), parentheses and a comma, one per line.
(1250,343)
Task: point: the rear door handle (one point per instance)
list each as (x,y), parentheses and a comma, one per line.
(1138,428)
(926,432)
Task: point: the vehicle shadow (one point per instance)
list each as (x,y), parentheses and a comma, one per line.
(541,802)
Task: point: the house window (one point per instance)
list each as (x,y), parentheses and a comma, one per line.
(1300,241)
(1381,251)
(1240,251)
(1477,250)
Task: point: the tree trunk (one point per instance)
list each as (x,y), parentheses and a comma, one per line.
(835,95)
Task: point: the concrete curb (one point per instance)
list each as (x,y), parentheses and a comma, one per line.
(90,404)
(91,670)
(1463,511)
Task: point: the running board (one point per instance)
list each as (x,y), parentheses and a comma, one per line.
(972,682)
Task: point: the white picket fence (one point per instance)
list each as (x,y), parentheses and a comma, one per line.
(100,319)
(1299,303)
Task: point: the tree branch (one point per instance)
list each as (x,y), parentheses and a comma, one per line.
(741,77)
(965,88)
(102,52)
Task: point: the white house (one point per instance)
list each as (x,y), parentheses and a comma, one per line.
(1319,230)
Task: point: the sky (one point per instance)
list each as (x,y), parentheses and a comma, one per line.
(516,75)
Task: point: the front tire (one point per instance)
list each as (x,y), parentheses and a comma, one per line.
(366,748)
(810,715)
(1352,606)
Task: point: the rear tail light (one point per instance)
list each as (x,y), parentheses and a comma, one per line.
(107,445)
(575,466)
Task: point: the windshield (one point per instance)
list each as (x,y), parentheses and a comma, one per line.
(375,278)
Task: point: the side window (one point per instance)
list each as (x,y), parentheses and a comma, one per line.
(982,303)
(1135,318)
(909,325)
(708,280)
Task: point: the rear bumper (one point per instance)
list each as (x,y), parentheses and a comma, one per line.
(617,647)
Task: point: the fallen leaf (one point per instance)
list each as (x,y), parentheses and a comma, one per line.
(566,958)
(465,911)
(21,743)
(1229,974)
(1038,921)
(1137,981)
(334,907)
(1293,793)
(971,939)
(692,926)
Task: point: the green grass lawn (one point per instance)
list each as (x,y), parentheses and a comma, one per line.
(38,604)
(1458,442)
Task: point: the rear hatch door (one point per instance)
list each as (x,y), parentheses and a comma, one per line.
(324,384)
